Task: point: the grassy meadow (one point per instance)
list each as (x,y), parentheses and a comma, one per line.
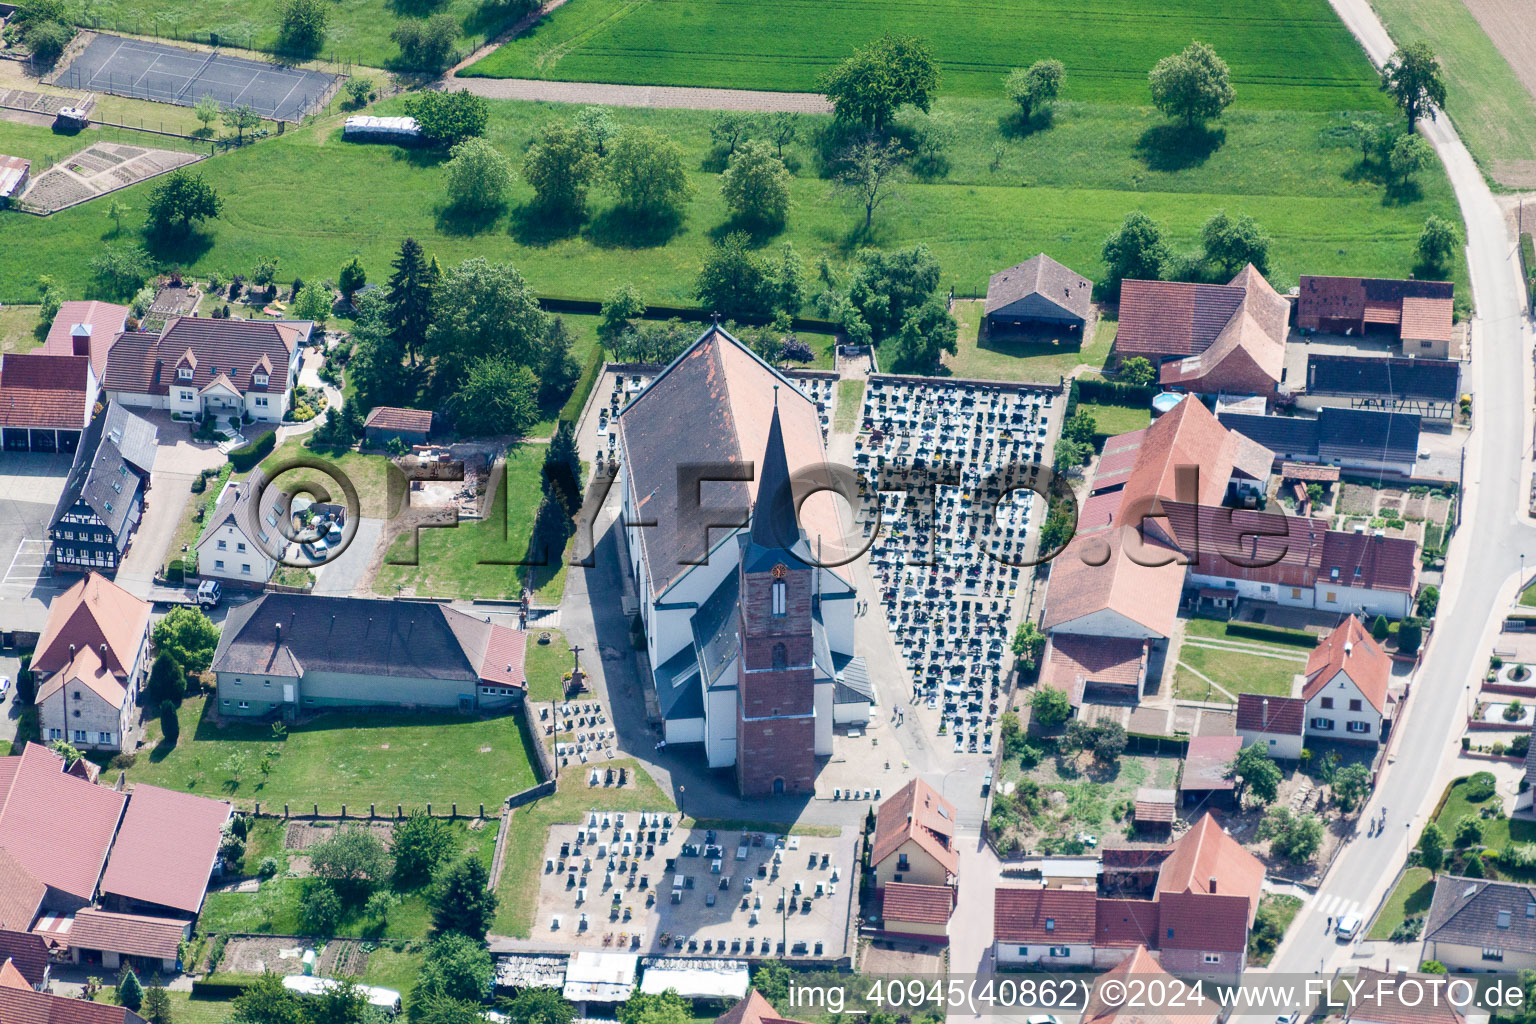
(1289,54)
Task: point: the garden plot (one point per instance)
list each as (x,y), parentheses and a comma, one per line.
(95,171)
(1062,799)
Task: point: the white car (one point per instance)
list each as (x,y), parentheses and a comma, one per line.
(5,686)
(1042,1018)
(1349,924)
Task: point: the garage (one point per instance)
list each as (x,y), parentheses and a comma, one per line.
(44,402)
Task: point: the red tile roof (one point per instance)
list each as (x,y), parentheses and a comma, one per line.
(920,904)
(145,364)
(1248,354)
(27,952)
(1351,650)
(1281,716)
(165,848)
(1107,1004)
(753,1008)
(1205,763)
(133,934)
(64,850)
(1026,914)
(917,812)
(1423,308)
(43,392)
(1074,661)
(1153,806)
(106,321)
(19,1006)
(93,612)
(1209,890)
(11,976)
(1303,471)
(1172,318)
(389,417)
(1125,923)
(1385,563)
(1378,1001)
(21,892)
(86,668)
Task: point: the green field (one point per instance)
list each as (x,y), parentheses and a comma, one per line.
(352,758)
(1063,190)
(1107,49)
(1493,111)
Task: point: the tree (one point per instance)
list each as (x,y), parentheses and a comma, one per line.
(1080,426)
(1429,601)
(448,118)
(242,119)
(1231,244)
(303,25)
(1409,154)
(267,1001)
(167,681)
(265,271)
(495,396)
(1134,250)
(1295,837)
(187,635)
(1469,831)
(320,909)
(734,282)
(1474,867)
(1432,847)
(598,127)
(340,1003)
(1028,641)
(1414,79)
(1438,242)
(122,267)
(561,471)
(645,170)
(1069,454)
(480,310)
(180,198)
(1410,635)
(170,725)
(426,44)
(352,858)
(1137,371)
(206,110)
(156,1007)
(312,303)
(478,176)
(871,172)
(117,211)
(130,992)
(729,129)
(47,41)
(560,165)
(1049,706)
(434,1009)
(380,905)
(1380,630)
(926,333)
(1351,784)
(1194,85)
(888,287)
(457,966)
(1109,741)
(359,91)
(352,278)
(783,129)
(869,87)
(540,1006)
(755,185)
(411,289)
(623,306)
(1261,776)
(660,1008)
(1033,88)
(461,902)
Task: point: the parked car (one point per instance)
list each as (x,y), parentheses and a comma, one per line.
(1349,924)
(5,687)
(209,592)
(986,784)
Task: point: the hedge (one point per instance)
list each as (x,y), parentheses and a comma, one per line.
(571,410)
(1528,260)
(245,458)
(1104,392)
(1272,634)
(223,986)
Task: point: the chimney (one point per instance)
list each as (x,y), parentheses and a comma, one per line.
(1213,883)
(1266,712)
(279,632)
(1349,647)
(80,339)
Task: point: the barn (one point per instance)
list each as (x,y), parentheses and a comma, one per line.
(1038,291)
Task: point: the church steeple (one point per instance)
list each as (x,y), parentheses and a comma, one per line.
(773,515)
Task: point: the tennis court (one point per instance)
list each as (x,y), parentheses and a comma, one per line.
(170,74)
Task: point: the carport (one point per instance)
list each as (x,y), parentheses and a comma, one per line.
(41,440)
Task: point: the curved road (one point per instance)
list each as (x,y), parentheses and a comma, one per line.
(1484,559)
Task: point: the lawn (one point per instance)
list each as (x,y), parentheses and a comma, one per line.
(1410,898)
(1109,420)
(352,758)
(1257,667)
(21,328)
(1062,190)
(1493,111)
(529,829)
(477,559)
(850,403)
(1497,832)
(1528,596)
(369,474)
(190,529)
(1107,49)
(1093,795)
(1042,359)
(189,1009)
(545,664)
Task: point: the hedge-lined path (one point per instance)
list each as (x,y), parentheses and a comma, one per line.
(641,95)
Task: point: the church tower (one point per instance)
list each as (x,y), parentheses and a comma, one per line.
(775,687)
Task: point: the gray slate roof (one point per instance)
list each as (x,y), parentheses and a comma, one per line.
(1040,275)
(853,685)
(1476,912)
(116,455)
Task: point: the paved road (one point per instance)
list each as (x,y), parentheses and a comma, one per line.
(341,577)
(1485,554)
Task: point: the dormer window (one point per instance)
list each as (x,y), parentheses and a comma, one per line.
(184,372)
(260,379)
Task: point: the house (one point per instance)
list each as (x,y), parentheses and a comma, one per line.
(203,367)
(45,402)
(26,959)
(1153,809)
(753,1008)
(1205,779)
(65,852)
(1382,998)
(86,328)
(21,899)
(386,423)
(103,495)
(14,171)
(1347,678)
(1207,338)
(1208,894)
(90,663)
(914,841)
(920,912)
(167,848)
(1039,290)
(1478,925)
(1143,971)
(1419,313)
(291,653)
(1364,440)
(25,1005)
(236,541)
(1036,925)
(746,634)
(1276,722)
(1429,387)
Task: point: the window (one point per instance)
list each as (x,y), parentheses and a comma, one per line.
(1170,933)
(55,734)
(1325,724)
(245,704)
(1050,924)
(1354,705)
(261,400)
(223,545)
(1327,703)
(218,563)
(1295,593)
(104,737)
(266,682)
(245,567)
(1332,596)
(1023,951)
(1503,919)
(780,657)
(260,379)
(1061,951)
(1359,727)
(184,373)
(76,695)
(79,735)
(901,862)
(780,599)
(1425,344)
(224,702)
(186,396)
(1213,958)
(239,682)
(240,545)
(1490,953)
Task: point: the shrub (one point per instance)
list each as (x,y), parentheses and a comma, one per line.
(426,44)
(1514,711)
(243,459)
(359,90)
(1479,787)
(268,867)
(1469,831)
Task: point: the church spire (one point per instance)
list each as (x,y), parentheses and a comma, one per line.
(773,516)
